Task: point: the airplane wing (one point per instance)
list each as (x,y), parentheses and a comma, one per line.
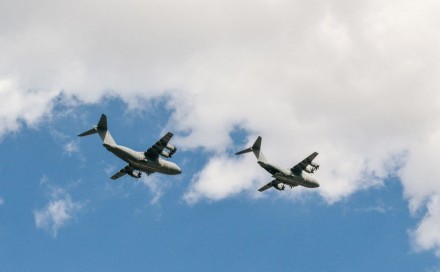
(304,163)
(265,187)
(119,174)
(156,150)
(130,171)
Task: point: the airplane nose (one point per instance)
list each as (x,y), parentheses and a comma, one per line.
(178,170)
(313,183)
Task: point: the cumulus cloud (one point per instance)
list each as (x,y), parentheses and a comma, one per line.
(58,212)
(21,104)
(356,82)
(223,177)
(421,182)
(427,236)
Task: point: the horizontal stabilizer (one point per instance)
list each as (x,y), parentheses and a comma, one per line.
(244,151)
(89,132)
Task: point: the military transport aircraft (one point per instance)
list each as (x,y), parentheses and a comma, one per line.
(293,177)
(138,162)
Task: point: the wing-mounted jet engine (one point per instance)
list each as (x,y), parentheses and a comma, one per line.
(169,152)
(134,174)
(311,167)
(280,186)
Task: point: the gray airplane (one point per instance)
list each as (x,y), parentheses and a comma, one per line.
(138,162)
(293,177)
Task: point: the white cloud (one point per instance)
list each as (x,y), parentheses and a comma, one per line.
(223,177)
(71,147)
(58,212)
(357,82)
(422,189)
(427,236)
(2,201)
(156,185)
(17,103)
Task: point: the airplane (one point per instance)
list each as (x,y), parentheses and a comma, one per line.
(282,177)
(149,161)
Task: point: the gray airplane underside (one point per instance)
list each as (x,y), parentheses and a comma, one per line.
(149,161)
(290,177)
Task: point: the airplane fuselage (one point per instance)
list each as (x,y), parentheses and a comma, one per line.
(139,162)
(294,180)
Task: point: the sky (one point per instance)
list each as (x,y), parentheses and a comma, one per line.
(356,82)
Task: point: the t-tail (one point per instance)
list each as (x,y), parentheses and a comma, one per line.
(102,130)
(256,148)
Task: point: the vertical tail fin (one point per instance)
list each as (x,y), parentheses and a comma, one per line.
(102,124)
(102,130)
(256,148)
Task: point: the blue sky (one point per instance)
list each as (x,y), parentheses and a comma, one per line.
(356,82)
(117,228)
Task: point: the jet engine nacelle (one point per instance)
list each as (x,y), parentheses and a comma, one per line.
(280,186)
(170,147)
(171,150)
(165,153)
(310,169)
(135,174)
